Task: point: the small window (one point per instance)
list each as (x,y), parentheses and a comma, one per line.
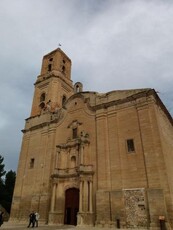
(63,68)
(63,99)
(32,163)
(130,145)
(42,97)
(51,59)
(74,133)
(77,89)
(49,67)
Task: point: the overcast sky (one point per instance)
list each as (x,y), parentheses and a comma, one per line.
(113,44)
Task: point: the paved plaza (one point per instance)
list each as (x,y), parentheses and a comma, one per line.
(48,227)
(41,227)
(11,226)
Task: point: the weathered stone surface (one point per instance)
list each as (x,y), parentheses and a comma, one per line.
(76,139)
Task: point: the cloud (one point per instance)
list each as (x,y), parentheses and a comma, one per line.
(113,44)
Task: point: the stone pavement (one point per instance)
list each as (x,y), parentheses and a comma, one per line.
(48,227)
(11,226)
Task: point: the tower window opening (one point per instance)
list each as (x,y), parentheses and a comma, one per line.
(51,59)
(49,67)
(63,99)
(74,133)
(42,97)
(63,68)
(77,89)
(42,105)
(130,145)
(32,163)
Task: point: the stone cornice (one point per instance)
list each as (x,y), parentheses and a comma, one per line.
(53,74)
(134,97)
(42,125)
(120,101)
(73,172)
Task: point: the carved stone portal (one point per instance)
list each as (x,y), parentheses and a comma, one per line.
(72,166)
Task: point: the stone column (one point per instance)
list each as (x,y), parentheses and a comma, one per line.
(85,195)
(81,154)
(90,198)
(53,198)
(68,160)
(80,198)
(58,165)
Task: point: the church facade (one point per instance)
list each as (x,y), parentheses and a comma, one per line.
(88,158)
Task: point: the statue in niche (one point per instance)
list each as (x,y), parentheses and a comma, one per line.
(84,136)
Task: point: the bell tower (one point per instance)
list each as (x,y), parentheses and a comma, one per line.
(54,85)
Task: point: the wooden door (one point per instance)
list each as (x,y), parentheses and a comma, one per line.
(71,206)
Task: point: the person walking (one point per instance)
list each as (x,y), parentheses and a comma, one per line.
(31,220)
(37,216)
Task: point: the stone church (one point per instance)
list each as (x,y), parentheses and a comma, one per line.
(89,158)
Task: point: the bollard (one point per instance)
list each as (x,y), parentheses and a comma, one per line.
(118,223)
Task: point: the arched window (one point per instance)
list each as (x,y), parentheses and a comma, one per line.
(63,69)
(32,163)
(78,87)
(42,97)
(63,99)
(49,67)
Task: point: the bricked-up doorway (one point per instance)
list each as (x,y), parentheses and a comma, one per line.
(136,208)
(71,206)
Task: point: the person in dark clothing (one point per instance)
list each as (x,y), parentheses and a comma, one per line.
(1,218)
(31,220)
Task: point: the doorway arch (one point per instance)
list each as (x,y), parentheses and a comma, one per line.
(71,206)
